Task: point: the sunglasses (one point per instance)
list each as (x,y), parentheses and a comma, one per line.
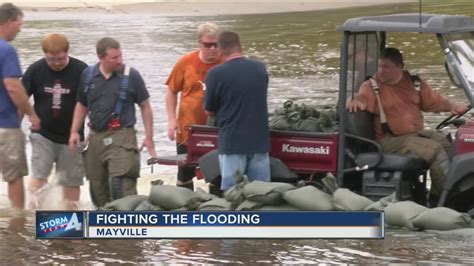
(209,44)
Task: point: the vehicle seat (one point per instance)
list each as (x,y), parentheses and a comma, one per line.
(361,124)
(394,172)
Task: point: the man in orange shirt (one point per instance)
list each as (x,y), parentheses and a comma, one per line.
(402,102)
(187,78)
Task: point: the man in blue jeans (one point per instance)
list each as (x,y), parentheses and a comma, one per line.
(236,92)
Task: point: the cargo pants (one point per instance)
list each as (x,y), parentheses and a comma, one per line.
(431,146)
(112,165)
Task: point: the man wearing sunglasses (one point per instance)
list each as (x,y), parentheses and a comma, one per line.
(187,79)
(53,81)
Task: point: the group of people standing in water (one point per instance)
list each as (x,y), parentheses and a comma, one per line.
(209,81)
(214,80)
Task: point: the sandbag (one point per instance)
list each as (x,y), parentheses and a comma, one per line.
(382,203)
(269,193)
(309,198)
(249,205)
(402,214)
(284,207)
(309,125)
(235,194)
(171,197)
(147,206)
(279,122)
(330,183)
(182,209)
(327,120)
(204,195)
(344,199)
(128,203)
(217,204)
(442,218)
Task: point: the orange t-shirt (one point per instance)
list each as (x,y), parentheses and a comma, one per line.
(187,77)
(402,104)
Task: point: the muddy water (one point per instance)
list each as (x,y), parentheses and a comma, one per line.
(301,51)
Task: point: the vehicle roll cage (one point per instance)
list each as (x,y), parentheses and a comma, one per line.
(375,28)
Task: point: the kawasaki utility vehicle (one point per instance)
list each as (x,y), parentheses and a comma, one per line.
(350,153)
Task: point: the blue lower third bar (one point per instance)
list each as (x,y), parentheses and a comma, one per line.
(263,224)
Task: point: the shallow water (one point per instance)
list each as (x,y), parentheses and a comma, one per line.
(301,51)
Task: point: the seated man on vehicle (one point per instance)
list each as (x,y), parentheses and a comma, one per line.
(397,100)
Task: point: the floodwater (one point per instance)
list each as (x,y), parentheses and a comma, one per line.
(301,51)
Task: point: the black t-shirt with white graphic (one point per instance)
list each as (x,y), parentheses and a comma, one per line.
(55,95)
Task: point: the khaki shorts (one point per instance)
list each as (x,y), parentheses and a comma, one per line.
(12,154)
(46,153)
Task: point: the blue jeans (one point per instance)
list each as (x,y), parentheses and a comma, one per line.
(256,166)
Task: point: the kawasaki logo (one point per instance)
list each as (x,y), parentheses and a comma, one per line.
(306,150)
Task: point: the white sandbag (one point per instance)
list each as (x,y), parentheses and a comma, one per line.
(442,218)
(170,197)
(217,204)
(128,203)
(402,213)
(346,200)
(382,203)
(309,198)
(269,193)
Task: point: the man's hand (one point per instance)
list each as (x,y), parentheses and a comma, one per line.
(74,140)
(150,147)
(458,109)
(356,105)
(35,122)
(172,127)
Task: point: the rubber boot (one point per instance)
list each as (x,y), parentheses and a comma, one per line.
(116,187)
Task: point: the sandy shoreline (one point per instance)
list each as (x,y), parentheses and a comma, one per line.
(192,7)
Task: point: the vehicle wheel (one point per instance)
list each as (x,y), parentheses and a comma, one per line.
(461,196)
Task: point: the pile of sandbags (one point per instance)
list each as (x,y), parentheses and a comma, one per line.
(275,196)
(303,117)
(244,196)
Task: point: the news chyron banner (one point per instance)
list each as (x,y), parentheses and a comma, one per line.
(59,224)
(169,225)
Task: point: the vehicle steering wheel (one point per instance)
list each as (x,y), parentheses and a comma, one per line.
(450,118)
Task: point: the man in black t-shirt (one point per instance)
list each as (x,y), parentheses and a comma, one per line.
(53,81)
(236,92)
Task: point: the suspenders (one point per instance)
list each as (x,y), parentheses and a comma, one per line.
(122,91)
(383,119)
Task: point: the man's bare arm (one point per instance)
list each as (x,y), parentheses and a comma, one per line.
(171,102)
(18,95)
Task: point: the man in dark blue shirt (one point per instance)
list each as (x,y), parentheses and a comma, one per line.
(236,92)
(108,93)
